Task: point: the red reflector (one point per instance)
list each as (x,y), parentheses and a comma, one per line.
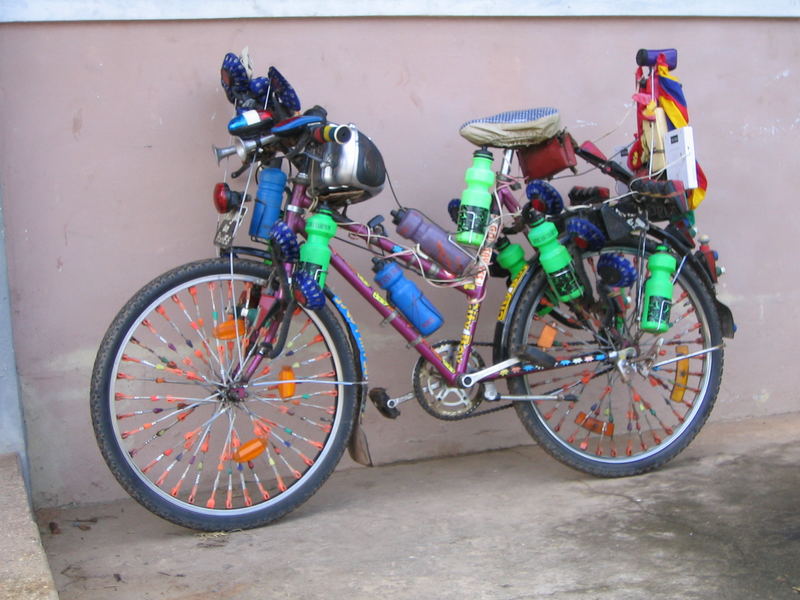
(222,195)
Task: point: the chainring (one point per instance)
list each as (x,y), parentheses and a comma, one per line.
(445,402)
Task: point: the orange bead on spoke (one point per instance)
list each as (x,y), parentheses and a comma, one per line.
(249,450)
(230,329)
(286,390)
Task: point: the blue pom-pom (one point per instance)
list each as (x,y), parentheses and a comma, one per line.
(286,240)
(616,270)
(307,291)
(238,74)
(283,89)
(452,209)
(587,235)
(544,197)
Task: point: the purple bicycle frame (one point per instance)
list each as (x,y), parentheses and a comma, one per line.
(474,292)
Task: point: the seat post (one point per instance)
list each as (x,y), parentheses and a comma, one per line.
(505,167)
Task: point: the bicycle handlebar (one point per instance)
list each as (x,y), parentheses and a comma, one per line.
(319,132)
(340,134)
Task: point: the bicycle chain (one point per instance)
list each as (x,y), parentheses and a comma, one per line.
(495,409)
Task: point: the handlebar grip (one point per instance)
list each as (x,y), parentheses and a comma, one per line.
(579,195)
(340,134)
(657,189)
(647,58)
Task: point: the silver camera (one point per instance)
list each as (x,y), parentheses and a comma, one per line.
(349,173)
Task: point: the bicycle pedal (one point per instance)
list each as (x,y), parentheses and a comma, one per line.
(380,399)
(536,356)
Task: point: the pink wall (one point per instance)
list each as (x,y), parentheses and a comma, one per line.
(106,179)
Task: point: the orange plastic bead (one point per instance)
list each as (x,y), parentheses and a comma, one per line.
(547,337)
(249,450)
(230,329)
(286,390)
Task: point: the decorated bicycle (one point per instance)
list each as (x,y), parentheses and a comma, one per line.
(226,390)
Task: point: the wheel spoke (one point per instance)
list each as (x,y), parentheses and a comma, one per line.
(196,437)
(623,410)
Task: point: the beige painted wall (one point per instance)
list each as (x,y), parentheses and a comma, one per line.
(106,177)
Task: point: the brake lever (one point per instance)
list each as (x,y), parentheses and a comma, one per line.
(239,171)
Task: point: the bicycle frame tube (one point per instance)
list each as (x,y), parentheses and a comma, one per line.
(474,291)
(428,268)
(400,324)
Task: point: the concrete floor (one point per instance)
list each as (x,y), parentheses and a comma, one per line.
(721,521)
(24,572)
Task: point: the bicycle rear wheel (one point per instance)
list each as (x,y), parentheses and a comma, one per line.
(180,428)
(618,417)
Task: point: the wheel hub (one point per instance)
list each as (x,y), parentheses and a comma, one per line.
(234,393)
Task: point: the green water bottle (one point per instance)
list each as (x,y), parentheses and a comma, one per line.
(476,199)
(555,260)
(658,291)
(315,254)
(510,256)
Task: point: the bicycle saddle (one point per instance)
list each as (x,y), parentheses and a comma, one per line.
(514,128)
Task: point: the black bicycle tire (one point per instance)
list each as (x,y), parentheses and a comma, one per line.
(113,453)
(607,467)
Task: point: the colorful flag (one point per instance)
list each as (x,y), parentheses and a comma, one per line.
(667,91)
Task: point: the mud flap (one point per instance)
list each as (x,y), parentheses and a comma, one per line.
(726,319)
(358,446)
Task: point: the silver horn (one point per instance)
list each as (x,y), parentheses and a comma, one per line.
(221,153)
(242,148)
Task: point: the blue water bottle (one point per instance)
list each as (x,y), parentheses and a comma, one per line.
(269,199)
(406,297)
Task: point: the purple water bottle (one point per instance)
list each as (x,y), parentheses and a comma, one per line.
(434,241)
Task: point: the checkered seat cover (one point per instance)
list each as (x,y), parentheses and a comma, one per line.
(514,128)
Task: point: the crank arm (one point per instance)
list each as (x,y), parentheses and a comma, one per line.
(395,402)
(471,379)
(669,361)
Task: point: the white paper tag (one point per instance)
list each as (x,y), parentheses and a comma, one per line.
(679,151)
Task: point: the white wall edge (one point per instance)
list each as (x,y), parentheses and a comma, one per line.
(125,10)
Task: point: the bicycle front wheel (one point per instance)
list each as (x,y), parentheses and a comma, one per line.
(640,407)
(185,433)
